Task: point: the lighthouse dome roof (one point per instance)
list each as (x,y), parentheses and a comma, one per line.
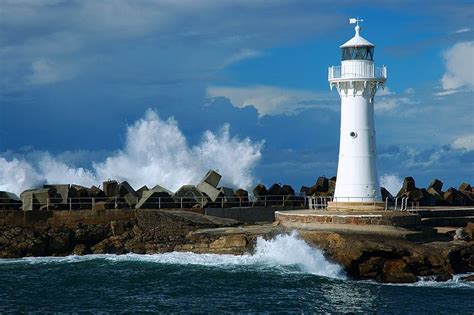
(357,40)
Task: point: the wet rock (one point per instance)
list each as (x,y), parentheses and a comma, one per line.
(60,241)
(470,229)
(468,278)
(90,233)
(371,268)
(397,271)
(443,277)
(111,245)
(81,250)
(229,242)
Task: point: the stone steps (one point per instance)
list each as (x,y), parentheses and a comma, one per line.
(456,221)
(431,213)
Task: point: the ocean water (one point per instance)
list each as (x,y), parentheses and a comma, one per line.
(283,275)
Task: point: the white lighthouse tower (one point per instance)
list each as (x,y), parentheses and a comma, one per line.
(357,80)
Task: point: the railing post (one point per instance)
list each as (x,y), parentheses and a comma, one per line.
(93,202)
(265,201)
(240,202)
(47,203)
(159,202)
(70,204)
(283,200)
(181,202)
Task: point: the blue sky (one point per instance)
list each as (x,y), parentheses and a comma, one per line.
(79,78)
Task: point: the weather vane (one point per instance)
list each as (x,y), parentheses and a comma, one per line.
(355,20)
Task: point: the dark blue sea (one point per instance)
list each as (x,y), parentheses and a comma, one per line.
(284,275)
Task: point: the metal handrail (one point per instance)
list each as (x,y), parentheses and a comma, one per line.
(159,202)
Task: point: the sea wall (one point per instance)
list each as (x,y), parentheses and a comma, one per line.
(55,219)
(248,214)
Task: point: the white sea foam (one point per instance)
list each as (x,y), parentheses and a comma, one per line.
(155,152)
(284,253)
(455,282)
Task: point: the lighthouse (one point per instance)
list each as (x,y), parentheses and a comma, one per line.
(357,80)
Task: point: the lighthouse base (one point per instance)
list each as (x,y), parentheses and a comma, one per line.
(355,206)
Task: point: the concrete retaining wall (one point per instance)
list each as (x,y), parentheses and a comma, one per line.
(248,214)
(44,219)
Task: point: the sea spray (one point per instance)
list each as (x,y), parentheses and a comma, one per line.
(290,250)
(156,152)
(283,253)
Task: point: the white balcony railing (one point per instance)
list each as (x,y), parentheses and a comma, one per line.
(357,71)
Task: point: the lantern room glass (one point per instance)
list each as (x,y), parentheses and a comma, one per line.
(358,53)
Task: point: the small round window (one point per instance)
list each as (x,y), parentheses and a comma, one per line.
(353,134)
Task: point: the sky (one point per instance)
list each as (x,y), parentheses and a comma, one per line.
(157,92)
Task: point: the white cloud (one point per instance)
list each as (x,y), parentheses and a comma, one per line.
(462,30)
(270,100)
(385,91)
(464,143)
(156,152)
(242,55)
(459,63)
(409,91)
(46,72)
(388,102)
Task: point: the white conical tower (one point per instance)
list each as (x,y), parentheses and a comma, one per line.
(357,81)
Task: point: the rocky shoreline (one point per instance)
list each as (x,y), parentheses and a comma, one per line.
(391,255)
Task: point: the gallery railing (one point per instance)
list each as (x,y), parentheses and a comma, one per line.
(399,204)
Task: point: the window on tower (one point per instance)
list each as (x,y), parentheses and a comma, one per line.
(358,53)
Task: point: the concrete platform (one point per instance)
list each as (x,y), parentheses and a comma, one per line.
(355,206)
(388,218)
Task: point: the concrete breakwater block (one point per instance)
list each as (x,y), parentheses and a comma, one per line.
(9,200)
(156,198)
